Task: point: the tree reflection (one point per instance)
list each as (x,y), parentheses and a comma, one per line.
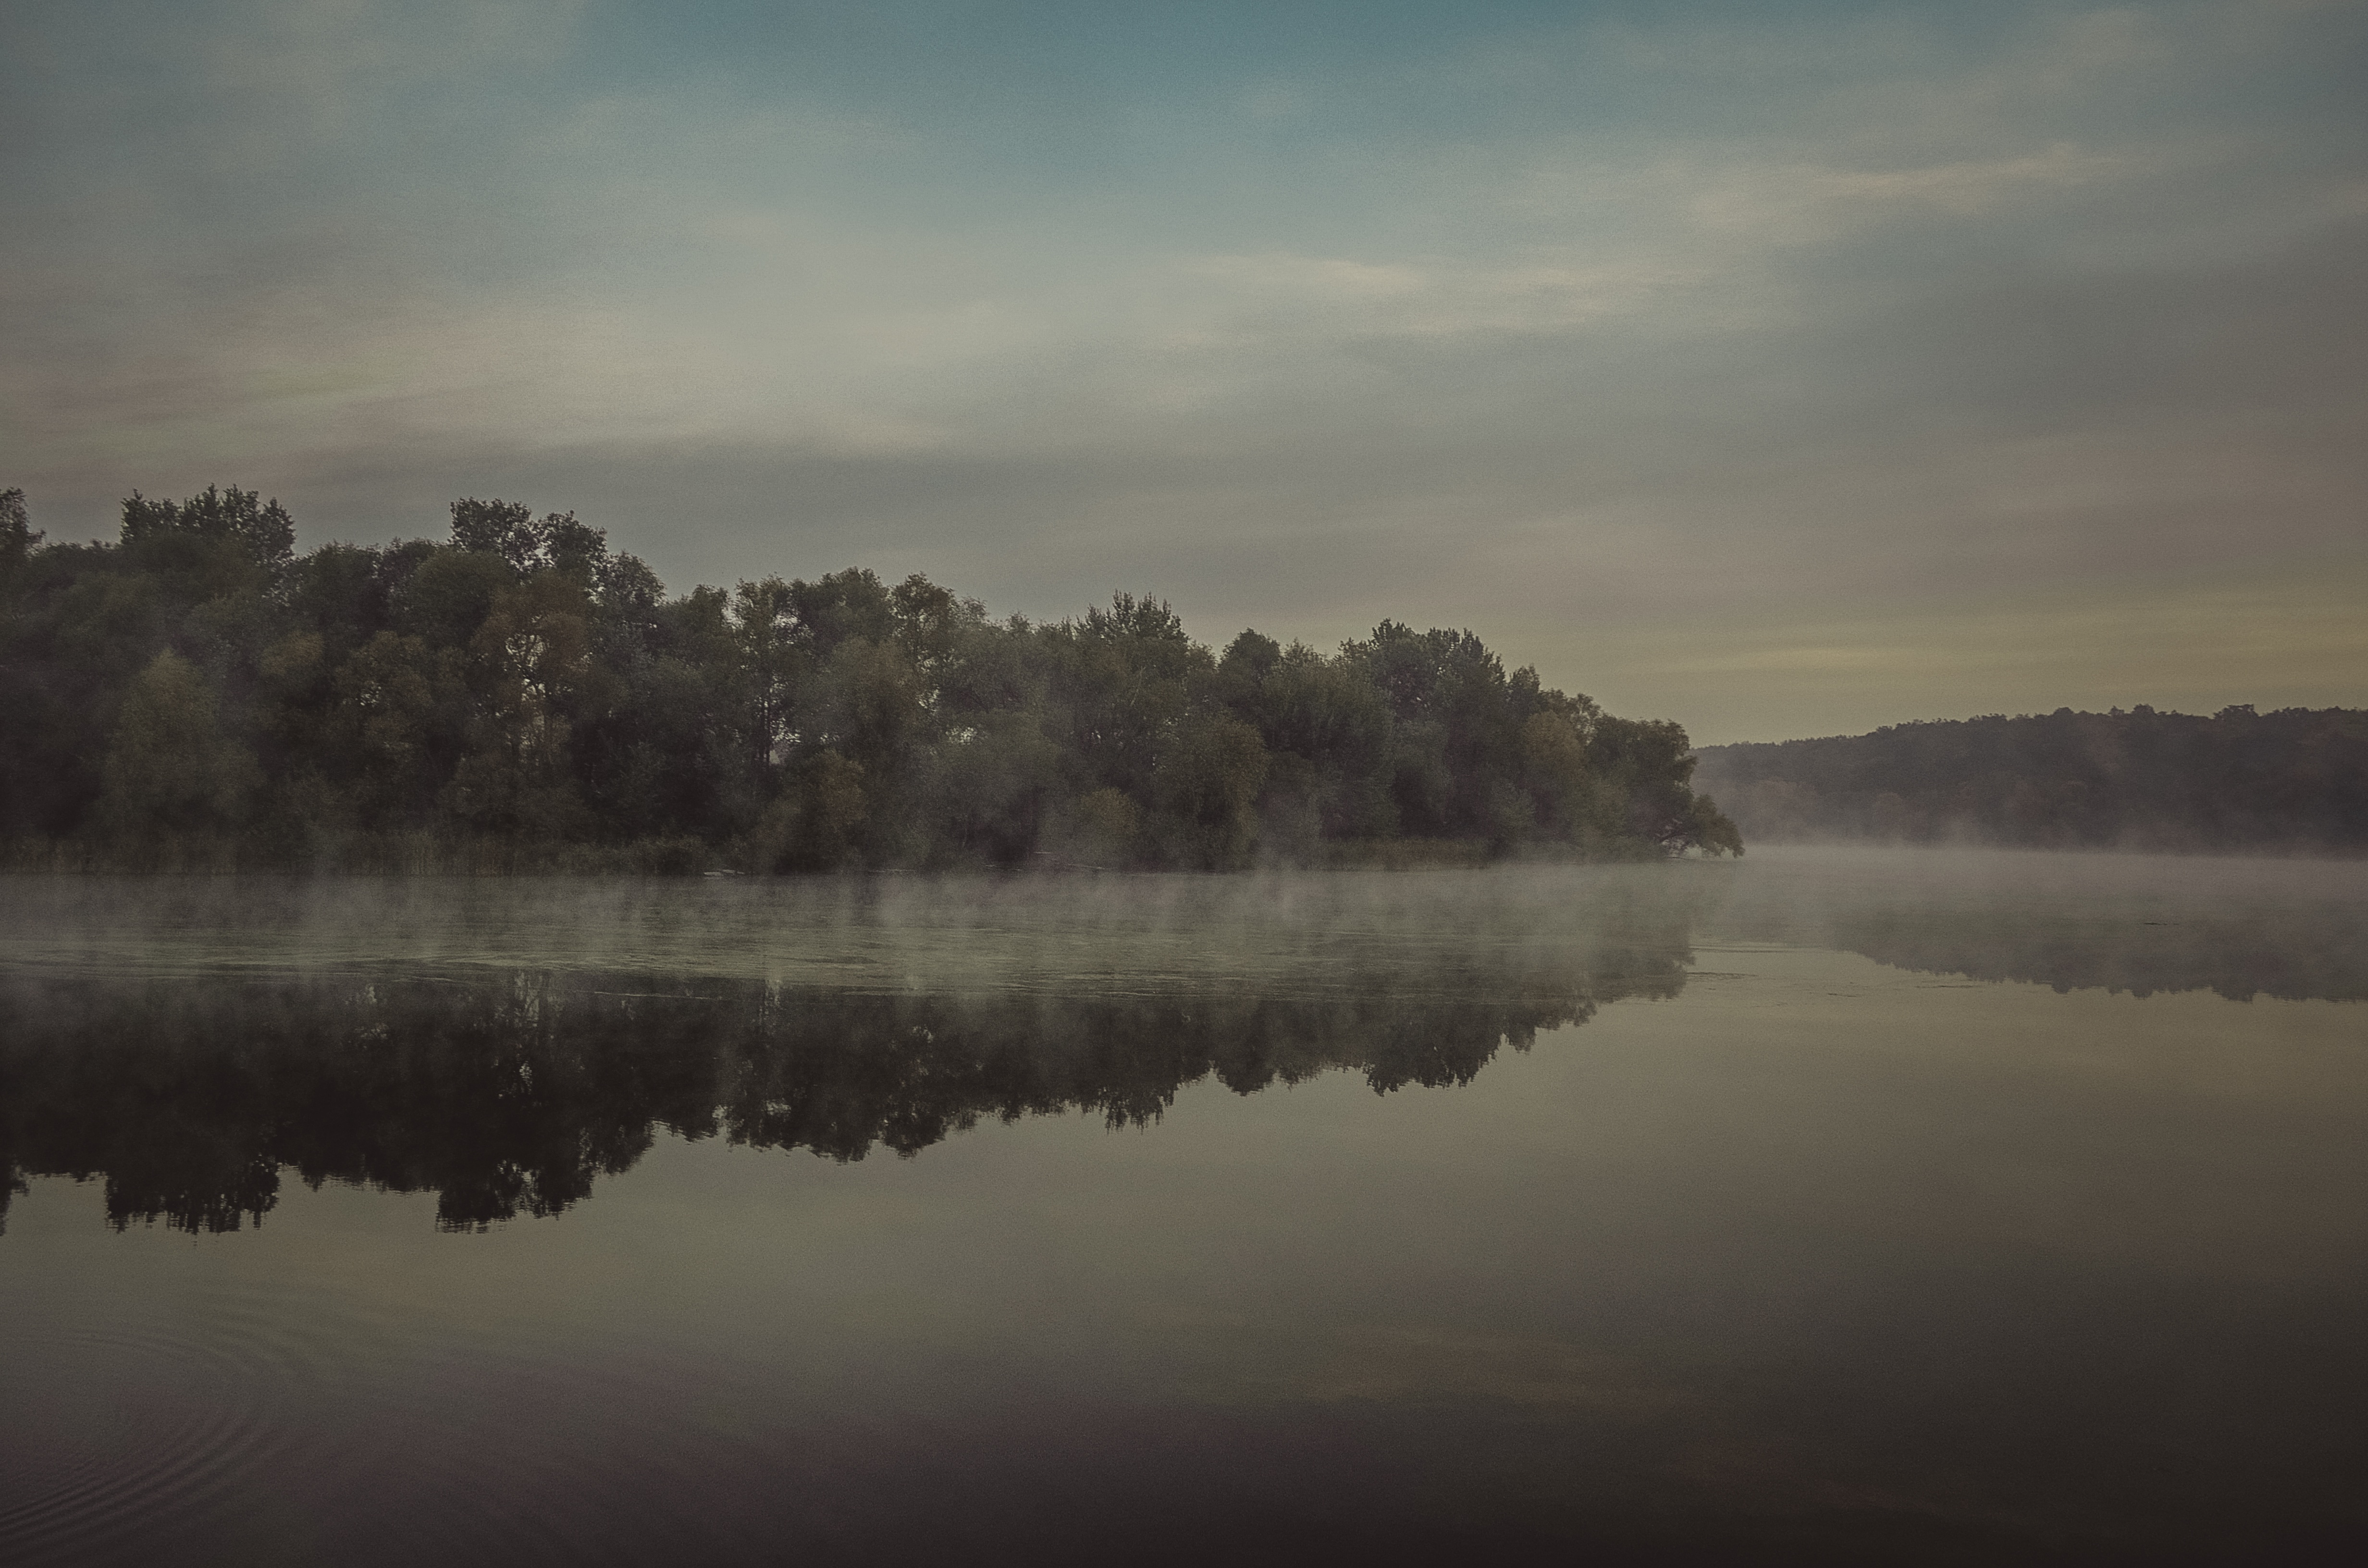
(2143,925)
(512,1091)
(2298,958)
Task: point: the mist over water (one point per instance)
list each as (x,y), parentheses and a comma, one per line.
(1850,1205)
(2143,923)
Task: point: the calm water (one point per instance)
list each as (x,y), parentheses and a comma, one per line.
(1829,1207)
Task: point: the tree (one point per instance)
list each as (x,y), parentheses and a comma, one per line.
(261,529)
(521,678)
(398,703)
(816,823)
(770,665)
(532,660)
(1206,785)
(169,767)
(505,530)
(17,541)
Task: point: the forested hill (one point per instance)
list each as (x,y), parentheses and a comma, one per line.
(2295,779)
(197,693)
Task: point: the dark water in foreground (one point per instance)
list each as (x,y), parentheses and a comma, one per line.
(1836,1207)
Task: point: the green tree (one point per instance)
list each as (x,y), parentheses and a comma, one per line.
(17,541)
(396,727)
(1207,788)
(532,660)
(817,824)
(170,767)
(261,530)
(1555,772)
(503,530)
(521,678)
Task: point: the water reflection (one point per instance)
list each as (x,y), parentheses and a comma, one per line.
(1814,1263)
(2140,925)
(505,1045)
(511,1091)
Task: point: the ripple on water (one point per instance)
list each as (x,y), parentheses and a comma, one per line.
(254,1426)
(149,1427)
(162,1426)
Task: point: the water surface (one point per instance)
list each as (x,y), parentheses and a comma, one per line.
(1831,1206)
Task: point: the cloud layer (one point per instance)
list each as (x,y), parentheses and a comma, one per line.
(1780,374)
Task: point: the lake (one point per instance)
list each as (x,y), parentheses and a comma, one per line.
(1829,1206)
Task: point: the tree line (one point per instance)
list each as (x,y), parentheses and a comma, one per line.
(2292,780)
(198,691)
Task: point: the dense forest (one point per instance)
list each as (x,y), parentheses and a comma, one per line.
(197,693)
(2293,780)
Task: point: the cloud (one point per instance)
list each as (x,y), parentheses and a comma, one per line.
(1800,204)
(1302,297)
(2191,646)
(1673,327)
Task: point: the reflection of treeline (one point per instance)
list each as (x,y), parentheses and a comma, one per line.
(2239,958)
(197,690)
(511,1095)
(2296,778)
(2142,925)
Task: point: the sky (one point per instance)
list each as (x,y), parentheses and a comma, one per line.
(1779,369)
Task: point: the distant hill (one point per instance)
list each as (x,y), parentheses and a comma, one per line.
(2292,780)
